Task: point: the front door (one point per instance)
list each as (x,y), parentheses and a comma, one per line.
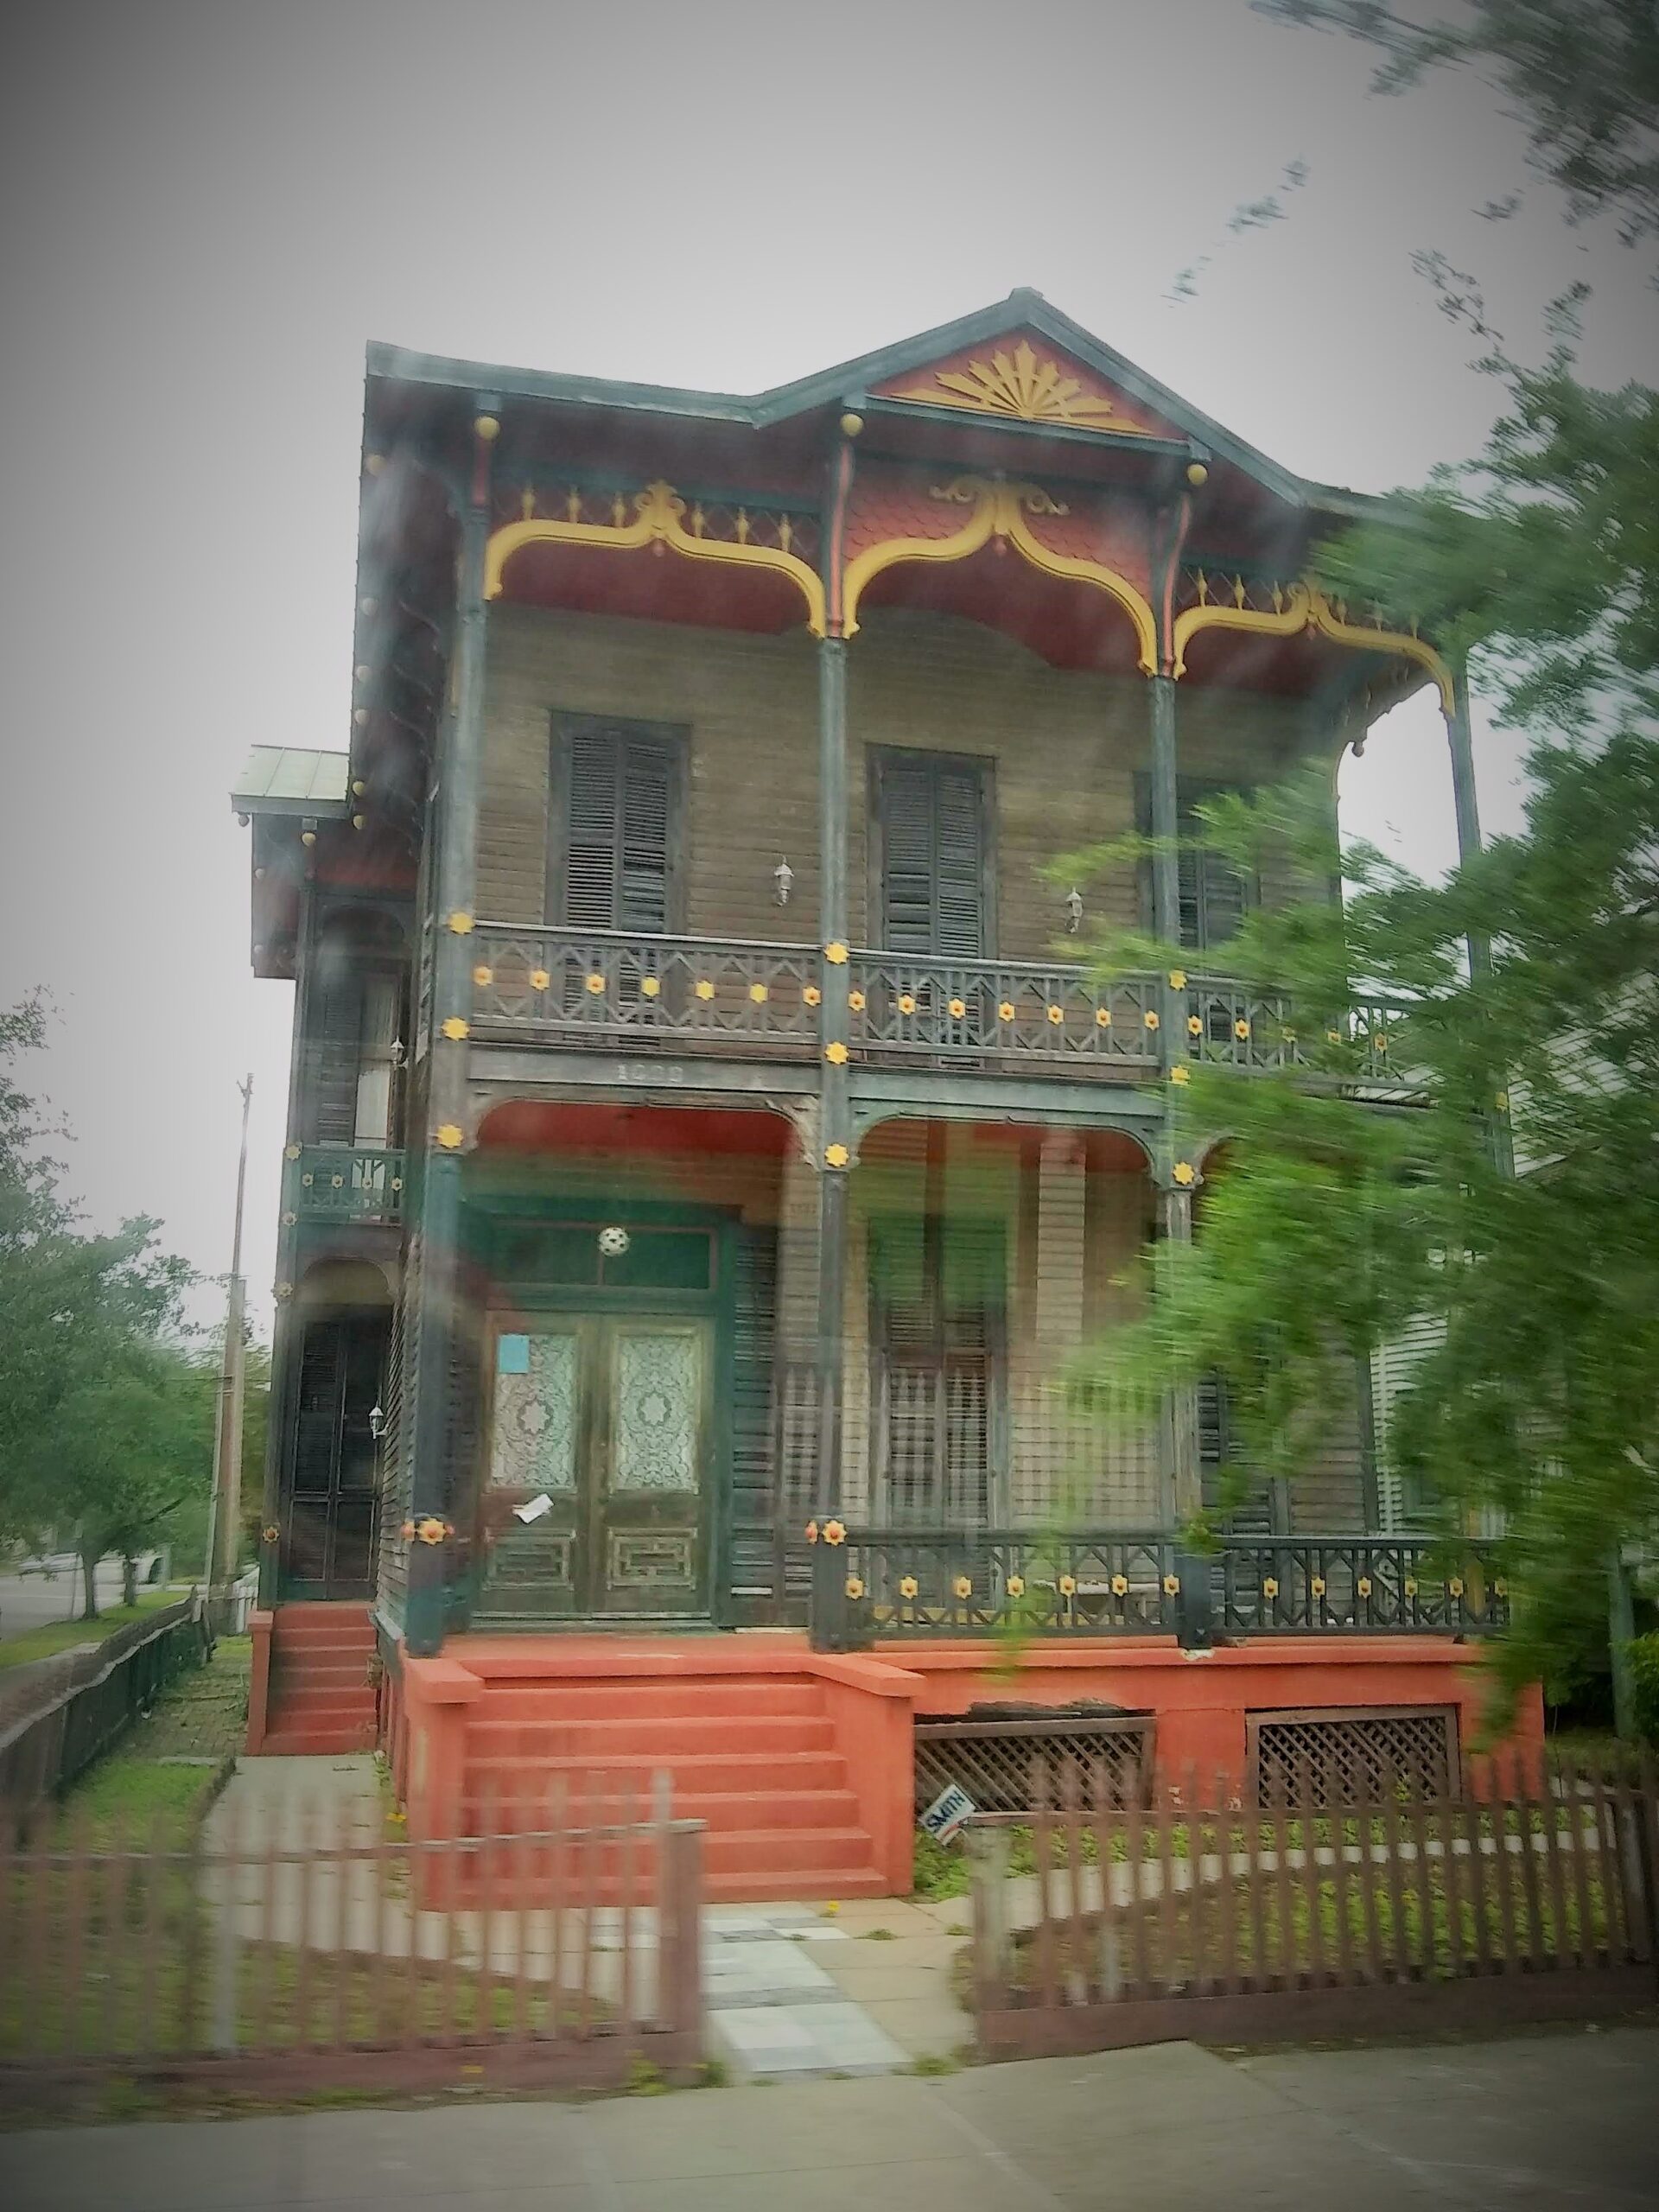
(328,1512)
(597,1504)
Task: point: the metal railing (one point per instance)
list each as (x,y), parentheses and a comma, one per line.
(107,1688)
(903,1583)
(1241,1026)
(603,986)
(345,1182)
(1370,1586)
(911,1006)
(874,1585)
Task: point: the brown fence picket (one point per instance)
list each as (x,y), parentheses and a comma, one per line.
(1584,1945)
(1228,1971)
(1611,1946)
(1529,1813)
(1289,1957)
(1135,1838)
(1168,1942)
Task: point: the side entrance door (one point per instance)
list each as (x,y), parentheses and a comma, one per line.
(329,1511)
(598,1504)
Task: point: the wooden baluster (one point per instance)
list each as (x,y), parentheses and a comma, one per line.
(1529,1817)
(150,1962)
(303,1860)
(489,1816)
(1423,1885)
(1503,1873)
(117,1872)
(1365,1837)
(72,1969)
(345,1957)
(522,1823)
(1078,1975)
(1612,1947)
(1549,1797)
(1042,1838)
(1170,1976)
(1228,1966)
(1308,1822)
(1136,1847)
(1289,1973)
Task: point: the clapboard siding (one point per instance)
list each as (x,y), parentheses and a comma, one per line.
(1066,747)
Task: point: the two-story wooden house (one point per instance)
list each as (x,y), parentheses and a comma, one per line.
(705,1161)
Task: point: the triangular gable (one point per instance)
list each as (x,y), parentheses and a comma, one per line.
(1020,376)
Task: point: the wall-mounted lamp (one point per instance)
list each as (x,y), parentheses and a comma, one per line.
(398,1053)
(377,1422)
(1073,910)
(784,876)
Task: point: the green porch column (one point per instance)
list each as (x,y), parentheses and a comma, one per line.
(286,1334)
(834,1120)
(441,1339)
(1179,1428)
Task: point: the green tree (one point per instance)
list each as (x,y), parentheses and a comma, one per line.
(106,1423)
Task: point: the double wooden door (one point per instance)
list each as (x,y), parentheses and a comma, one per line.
(597,1502)
(329,1505)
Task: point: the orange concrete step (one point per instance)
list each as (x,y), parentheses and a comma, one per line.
(650,1741)
(318,1742)
(709,1771)
(726,1811)
(772,1697)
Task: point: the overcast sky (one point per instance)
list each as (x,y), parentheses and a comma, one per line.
(206,210)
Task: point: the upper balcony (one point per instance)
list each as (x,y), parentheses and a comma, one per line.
(710,996)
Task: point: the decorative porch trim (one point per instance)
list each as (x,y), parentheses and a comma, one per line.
(1303,605)
(1000,510)
(659,519)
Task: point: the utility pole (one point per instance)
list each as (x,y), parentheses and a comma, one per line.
(225,1514)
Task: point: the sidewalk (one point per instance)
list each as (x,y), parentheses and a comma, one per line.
(1561,2121)
(791,1990)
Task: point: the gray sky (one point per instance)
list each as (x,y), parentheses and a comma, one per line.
(206,210)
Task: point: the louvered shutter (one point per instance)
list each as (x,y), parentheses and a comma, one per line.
(1393,1365)
(1212,896)
(1253,1515)
(337,1047)
(620,795)
(933,854)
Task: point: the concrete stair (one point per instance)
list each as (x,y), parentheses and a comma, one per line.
(752,1757)
(320,1699)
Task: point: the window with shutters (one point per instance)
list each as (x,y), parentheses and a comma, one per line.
(1254,1514)
(614,855)
(931,855)
(1213,895)
(937,1293)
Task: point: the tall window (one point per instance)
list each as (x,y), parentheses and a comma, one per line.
(930,854)
(1213,894)
(613,851)
(938,1290)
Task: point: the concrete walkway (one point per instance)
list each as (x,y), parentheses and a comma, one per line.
(790,1991)
(1561,2120)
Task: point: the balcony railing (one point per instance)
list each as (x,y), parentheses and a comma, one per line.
(908,1583)
(603,986)
(713,995)
(871,1585)
(343,1182)
(906,1005)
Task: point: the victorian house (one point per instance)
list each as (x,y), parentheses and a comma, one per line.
(705,1161)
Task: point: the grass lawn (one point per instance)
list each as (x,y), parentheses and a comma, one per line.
(63,1636)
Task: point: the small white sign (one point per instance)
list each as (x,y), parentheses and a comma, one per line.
(947,1813)
(533,1508)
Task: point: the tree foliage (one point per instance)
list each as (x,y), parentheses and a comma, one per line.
(1583,79)
(106,1403)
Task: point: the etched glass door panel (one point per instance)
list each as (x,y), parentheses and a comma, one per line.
(532,1512)
(654,1554)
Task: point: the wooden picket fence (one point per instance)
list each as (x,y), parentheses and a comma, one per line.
(560,1946)
(1099,1922)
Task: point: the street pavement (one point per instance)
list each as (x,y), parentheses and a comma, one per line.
(1563,2120)
(30,1600)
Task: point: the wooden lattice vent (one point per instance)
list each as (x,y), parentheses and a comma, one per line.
(1355,1756)
(1006,1757)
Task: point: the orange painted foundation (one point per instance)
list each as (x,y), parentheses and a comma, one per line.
(800,1763)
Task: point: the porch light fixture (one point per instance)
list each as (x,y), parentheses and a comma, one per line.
(1073,910)
(614,1243)
(784,876)
(377,1422)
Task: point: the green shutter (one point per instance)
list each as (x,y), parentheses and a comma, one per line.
(933,858)
(620,792)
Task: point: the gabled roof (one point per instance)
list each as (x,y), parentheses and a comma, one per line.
(1023,311)
(289,780)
